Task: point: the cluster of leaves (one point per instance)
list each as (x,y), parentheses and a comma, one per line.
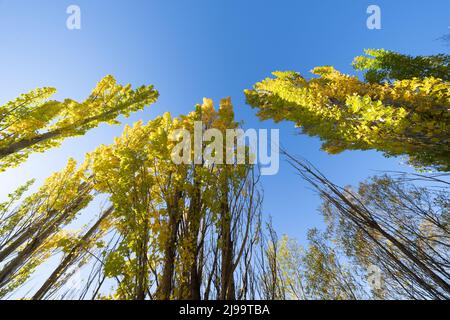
(402,108)
(381,65)
(33,123)
(33,231)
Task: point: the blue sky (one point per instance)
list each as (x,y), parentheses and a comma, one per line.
(195,49)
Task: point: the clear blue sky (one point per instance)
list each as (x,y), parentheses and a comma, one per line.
(195,49)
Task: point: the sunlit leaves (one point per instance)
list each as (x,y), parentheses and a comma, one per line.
(402,116)
(33,123)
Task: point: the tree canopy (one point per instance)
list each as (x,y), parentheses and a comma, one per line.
(401,109)
(34,123)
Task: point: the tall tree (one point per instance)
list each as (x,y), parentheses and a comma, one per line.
(77,249)
(394,225)
(33,123)
(289,271)
(184,229)
(29,231)
(401,108)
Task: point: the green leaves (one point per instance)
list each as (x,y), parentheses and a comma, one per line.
(382,65)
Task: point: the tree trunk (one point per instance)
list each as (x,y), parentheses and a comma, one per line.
(165,285)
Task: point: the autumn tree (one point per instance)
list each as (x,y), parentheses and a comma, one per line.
(181,230)
(316,271)
(34,123)
(415,265)
(76,251)
(169,231)
(31,231)
(400,109)
(393,224)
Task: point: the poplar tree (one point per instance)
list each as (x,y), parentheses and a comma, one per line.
(34,123)
(393,224)
(31,232)
(401,108)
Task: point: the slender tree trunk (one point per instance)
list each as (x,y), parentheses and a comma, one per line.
(194,217)
(143,268)
(412,257)
(165,285)
(227,279)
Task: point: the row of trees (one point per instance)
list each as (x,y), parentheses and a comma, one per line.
(170,231)
(196,231)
